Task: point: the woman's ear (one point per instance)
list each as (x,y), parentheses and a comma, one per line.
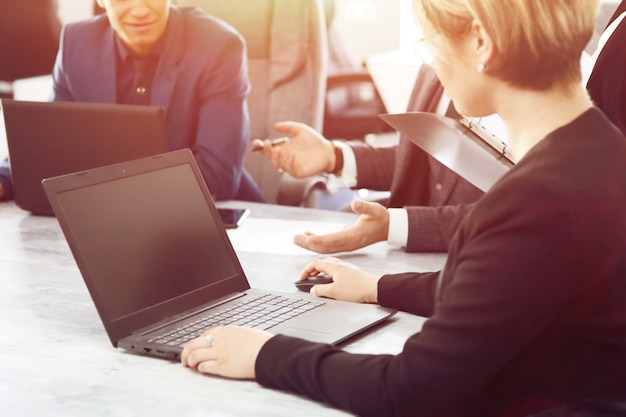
(484,47)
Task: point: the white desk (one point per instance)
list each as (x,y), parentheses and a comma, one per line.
(57,360)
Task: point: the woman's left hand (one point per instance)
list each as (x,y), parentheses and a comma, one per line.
(228,351)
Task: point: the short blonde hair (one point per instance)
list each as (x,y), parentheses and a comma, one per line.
(539,42)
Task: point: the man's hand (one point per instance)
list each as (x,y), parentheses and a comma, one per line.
(305,154)
(371,227)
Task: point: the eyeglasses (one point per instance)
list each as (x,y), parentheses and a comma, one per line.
(424,48)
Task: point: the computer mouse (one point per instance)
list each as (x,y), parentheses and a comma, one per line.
(306,284)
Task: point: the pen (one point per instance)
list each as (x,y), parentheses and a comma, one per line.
(275,142)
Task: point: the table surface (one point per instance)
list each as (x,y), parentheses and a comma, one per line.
(57,360)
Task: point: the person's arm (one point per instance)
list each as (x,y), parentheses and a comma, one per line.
(431,228)
(468,339)
(307,153)
(416,229)
(222,133)
(374,165)
(304,153)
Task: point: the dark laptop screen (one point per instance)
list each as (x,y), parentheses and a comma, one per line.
(135,260)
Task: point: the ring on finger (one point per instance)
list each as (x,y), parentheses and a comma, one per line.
(208,339)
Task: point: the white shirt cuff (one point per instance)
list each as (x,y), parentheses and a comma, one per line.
(398,227)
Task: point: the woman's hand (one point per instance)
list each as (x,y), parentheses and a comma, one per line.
(349,282)
(228,351)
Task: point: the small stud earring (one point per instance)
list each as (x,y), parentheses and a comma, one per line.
(480,67)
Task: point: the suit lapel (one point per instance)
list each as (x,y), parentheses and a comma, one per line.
(102,69)
(167,70)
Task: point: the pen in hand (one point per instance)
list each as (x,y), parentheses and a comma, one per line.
(258,145)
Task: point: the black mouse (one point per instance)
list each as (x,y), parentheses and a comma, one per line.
(305,285)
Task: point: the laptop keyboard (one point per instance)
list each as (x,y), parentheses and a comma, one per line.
(263,312)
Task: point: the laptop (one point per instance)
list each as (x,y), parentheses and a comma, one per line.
(157,260)
(47,139)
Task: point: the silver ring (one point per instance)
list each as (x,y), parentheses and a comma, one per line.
(209,340)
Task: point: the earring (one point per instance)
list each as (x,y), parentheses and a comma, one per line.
(481,67)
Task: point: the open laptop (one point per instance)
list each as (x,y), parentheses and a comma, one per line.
(156,258)
(47,139)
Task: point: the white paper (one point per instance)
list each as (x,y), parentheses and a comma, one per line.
(276,235)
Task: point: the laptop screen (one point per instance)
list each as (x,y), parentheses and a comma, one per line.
(138,268)
(47,139)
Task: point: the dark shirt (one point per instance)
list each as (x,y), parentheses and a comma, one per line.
(528,313)
(131,68)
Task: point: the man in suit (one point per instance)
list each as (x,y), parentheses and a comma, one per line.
(29,40)
(191,64)
(427,202)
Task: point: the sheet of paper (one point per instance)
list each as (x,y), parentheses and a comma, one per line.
(276,235)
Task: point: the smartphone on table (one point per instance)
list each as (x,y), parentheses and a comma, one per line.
(232,218)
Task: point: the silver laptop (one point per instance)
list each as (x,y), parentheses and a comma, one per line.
(47,139)
(158,263)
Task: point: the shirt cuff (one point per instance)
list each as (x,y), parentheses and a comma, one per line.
(348,173)
(398,234)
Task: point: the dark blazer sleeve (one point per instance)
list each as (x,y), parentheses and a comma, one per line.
(211,93)
(5,179)
(431,228)
(526,313)
(374,165)
(436,198)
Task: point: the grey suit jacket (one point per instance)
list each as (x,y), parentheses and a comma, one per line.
(201,81)
(436,198)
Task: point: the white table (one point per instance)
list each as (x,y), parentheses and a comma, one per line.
(57,360)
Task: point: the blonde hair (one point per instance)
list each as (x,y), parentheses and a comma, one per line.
(539,42)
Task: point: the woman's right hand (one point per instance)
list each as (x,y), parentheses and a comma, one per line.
(350,283)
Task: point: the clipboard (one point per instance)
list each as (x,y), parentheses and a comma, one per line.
(463,146)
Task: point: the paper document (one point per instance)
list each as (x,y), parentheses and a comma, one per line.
(276,235)
(467,149)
